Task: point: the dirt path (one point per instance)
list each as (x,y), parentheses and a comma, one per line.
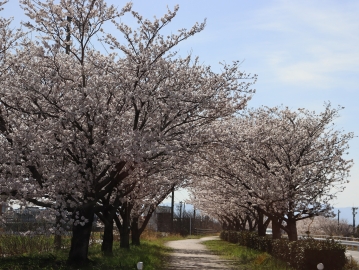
(354,254)
(191,254)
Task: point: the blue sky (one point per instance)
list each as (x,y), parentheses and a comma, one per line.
(304,52)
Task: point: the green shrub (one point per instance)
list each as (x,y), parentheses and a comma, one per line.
(302,254)
(265,244)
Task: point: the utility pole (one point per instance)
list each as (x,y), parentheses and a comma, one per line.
(354,213)
(194,220)
(181,210)
(180,216)
(338,217)
(172,208)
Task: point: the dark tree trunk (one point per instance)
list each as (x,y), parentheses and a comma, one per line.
(276,228)
(107,241)
(237,225)
(292,229)
(80,238)
(57,241)
(254,224)
(124,237)
(57,237)
(261,224)
(135,232)
(107,215)
(224,226)
(125,228)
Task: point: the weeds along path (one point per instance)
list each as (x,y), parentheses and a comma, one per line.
(192,254)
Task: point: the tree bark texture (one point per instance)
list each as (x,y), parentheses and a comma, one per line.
(57,237)
(107,241)
(292,230)
(80,238)
(136,233)
(262,225)
(125,228)
(57,242)
(276,228)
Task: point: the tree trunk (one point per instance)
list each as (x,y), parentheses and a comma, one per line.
(124,237)
(57,241)
(292,230)
(80,238)
(125,228)
(250,224)
(135,232)
(261,225)
(57,237)
(276,228)
(141,228)
(107,241)
(107,216)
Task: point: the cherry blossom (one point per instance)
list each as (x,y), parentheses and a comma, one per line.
(77,124)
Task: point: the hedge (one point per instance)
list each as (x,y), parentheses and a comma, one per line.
(302,254)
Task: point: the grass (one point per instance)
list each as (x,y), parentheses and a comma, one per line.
(249,259)
(245,258)
(12,245)
(152,255)
(36,252)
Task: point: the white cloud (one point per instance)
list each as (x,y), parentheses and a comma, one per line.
(306,42)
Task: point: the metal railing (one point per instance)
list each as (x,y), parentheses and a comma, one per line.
(350,242)
(353,239)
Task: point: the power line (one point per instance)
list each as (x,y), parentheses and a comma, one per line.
(101,43)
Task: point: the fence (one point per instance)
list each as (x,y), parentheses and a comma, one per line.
(205,231)
(350,242)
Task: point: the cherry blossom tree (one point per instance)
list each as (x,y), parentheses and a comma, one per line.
(170,176)
(217,195)
(8,41)
(77,123)
(142,199)
(324,226)
(230,210)
(291,163)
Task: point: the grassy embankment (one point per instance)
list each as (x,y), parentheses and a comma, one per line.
(249,259)
(245,258)
(36,252)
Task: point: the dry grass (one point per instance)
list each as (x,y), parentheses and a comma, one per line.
(13,245)
(351,265)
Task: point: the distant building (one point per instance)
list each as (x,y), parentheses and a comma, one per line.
(161,219)
(3,204)
(3,208)
(27,215)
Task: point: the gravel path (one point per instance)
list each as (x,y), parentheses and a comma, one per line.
(191,254)
(354,254)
